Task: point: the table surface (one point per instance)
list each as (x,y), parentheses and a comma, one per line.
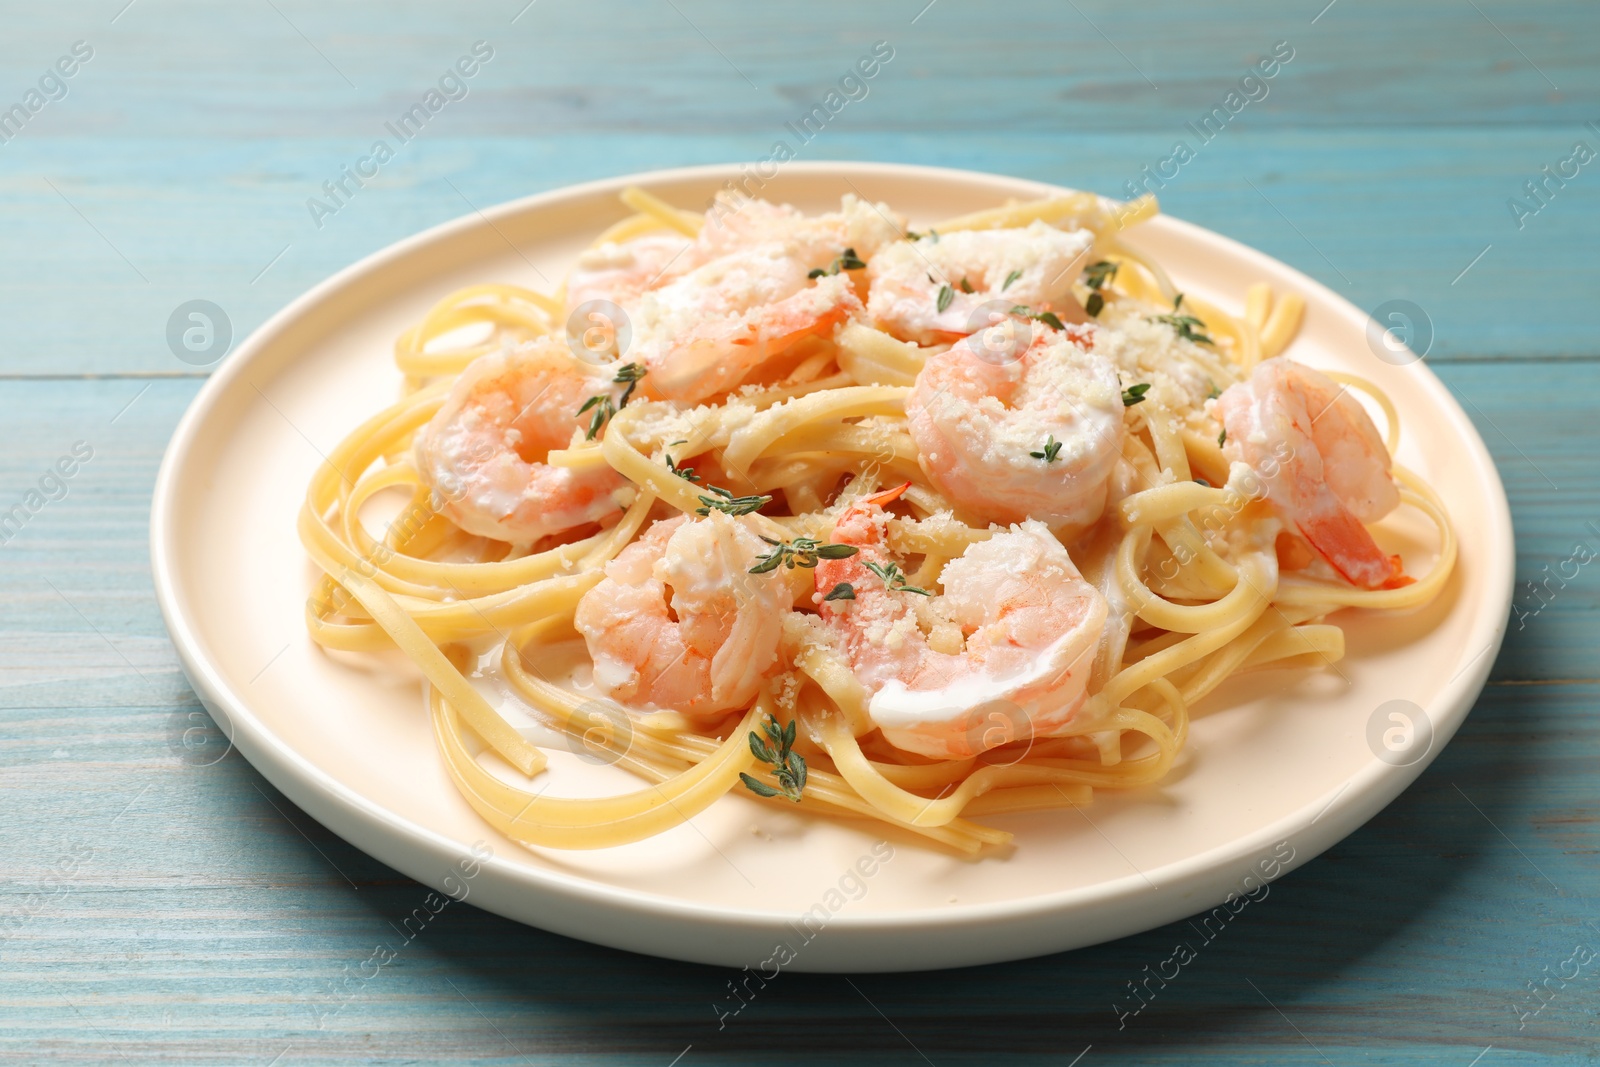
(153,909)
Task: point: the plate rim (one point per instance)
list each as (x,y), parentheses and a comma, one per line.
(334,803)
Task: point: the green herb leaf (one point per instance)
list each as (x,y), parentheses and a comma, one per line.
(1187,326)
(966,286)
(1094,305)
(1096,275)
(801,552)
(767,564)
(842,591)
(686,473)
(788,766)
(603,410)
(602,404)
(1049,319)
(726,502)
(1134,394)
(893,579)
(1212,392)
(1013,276)
(795,765)
(847,260)
(629,374)
(1222,438)
(1051,449)
(758,787)
(946,294)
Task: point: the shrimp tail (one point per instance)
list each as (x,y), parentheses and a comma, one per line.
(886,496)
(1339,538)
(1396,579)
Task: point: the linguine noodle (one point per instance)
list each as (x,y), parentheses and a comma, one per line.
(1188,555)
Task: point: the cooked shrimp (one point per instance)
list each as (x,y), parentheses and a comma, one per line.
(1020,421)
(621,271)
(1324,464)
(818,239)
(678,622)
(705,332)
(1009,643)
(970,272)
(483,454)
(744,292)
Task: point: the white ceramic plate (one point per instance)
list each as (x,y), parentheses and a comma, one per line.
(1280,765)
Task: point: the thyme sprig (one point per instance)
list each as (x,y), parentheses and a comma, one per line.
(801,552)
(602,404)
(1049,318)
(1096,276)
(1185,325)
(777,750)
(686,473)
(893,579)
(629,373)
(847,260)
(725,502)
(603,410)
(1051,449)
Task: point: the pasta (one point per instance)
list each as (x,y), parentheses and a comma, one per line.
(780,541)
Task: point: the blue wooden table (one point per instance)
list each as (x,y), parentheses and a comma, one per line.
(155,907)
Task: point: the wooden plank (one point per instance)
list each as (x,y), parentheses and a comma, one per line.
(204,920)
(1377,215)
(76,579)
(186,68)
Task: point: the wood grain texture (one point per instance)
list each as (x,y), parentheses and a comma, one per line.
(157,910)
(1376,215)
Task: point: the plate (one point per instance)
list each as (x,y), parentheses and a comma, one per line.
(1281,765)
